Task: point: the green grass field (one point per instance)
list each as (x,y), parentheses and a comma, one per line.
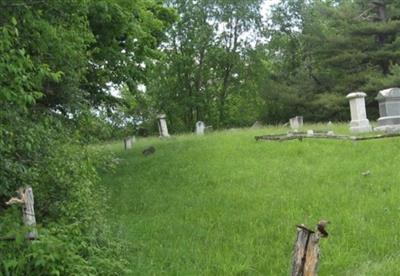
(224,204)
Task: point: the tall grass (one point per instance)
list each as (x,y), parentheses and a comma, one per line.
(224,204)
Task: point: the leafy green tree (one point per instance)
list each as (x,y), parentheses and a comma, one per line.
(56,62)
(202,72)
(322,50)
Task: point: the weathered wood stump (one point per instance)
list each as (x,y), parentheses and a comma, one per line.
(306,252)
(25,198)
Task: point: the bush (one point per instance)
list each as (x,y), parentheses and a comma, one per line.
(39,150)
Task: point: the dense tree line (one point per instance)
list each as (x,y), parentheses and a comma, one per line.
(57,61)
(225,65)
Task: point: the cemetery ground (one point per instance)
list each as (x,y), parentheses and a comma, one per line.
(224,204)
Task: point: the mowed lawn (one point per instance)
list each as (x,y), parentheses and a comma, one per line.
(224,204)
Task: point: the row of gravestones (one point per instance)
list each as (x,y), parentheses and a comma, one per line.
(163,130)
(389,111)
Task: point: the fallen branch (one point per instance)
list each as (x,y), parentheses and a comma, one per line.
(297,136)
(12,238)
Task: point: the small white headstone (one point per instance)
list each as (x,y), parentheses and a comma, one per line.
(296,122)
(310,132)
(330,133)
(359,121)
(162,125)
(200,127)
(128,143)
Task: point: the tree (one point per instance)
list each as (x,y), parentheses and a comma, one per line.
(201,75)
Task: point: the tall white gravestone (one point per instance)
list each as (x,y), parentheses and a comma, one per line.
(128,141)
(296,122)
(359,121)
(389,110)
(162,125)
(200,126)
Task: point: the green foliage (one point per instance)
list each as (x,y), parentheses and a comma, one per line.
(44,153)
(202,73)
(57,62)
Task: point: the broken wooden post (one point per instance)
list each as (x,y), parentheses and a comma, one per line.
(306,252)
(25,198)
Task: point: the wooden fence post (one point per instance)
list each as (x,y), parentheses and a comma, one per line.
(25,198)
(306,252)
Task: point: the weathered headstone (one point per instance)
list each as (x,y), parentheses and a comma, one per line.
(296,122)
(389,110)
(200,127)
(128,141)
(162,125)
(310,133)
(359,121)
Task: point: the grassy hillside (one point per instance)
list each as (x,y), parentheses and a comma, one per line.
(224,204)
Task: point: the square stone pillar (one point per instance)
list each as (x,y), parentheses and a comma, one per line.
(389,110)
(162,125)
(359,121)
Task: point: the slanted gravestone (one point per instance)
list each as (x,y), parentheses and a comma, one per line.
(359,121)
(200,127)
(389,110)
(162,125)
(257,124)
(296,122)
(208,129)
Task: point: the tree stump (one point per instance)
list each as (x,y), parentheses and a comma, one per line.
(25,198)
(306,252)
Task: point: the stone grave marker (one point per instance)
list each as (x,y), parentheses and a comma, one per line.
(359,121)
(200,127)
(296,122)
(162,125)
(389,110)
(128,141)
